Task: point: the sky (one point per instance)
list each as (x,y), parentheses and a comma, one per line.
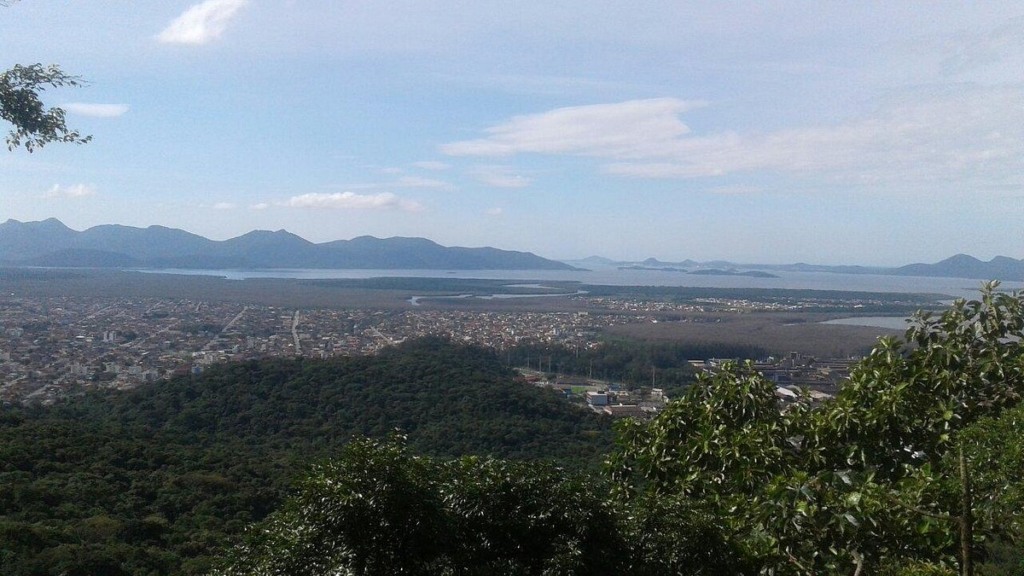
(874,133)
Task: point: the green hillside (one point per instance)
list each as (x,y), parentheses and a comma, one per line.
(159,479)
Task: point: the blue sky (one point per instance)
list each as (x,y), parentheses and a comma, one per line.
(875,133)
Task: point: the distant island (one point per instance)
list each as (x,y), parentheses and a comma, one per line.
(702,271)
(733,272)
(959,266)
(654,268)
(50,243)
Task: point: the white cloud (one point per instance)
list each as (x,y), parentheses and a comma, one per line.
(971,134)
(96,110)
(259,206)
(223,206)
(636,128)
(500,177)
(929,135)
(495,212)
(202,22)
(73,191)
(431,165)
(353,201)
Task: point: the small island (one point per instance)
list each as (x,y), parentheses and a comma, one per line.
(653,268)
(733,272)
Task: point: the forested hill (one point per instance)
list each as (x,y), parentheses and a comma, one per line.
(159,479)
(450,400)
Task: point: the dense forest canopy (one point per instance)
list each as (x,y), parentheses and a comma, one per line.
(160,479)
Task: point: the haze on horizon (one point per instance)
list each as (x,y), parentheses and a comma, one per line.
(874,134)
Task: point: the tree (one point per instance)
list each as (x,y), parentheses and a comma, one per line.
(994,450)
(35,125)
(725,438)
(889,473)
(899,422)
(377,510)
(727,450)
(906,400)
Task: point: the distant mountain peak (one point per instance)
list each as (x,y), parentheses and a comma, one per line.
(960,258)
(280,232)
(966,266)
(1004,260)
(52,223)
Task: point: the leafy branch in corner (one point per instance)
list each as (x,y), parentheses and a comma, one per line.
(35,125)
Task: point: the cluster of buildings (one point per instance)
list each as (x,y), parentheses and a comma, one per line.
(820,377)
(602,396)
(792,375)
(50,346)
(627,404)
(706,304)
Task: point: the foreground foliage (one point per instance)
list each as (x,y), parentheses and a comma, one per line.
(900,468)
(376,510)
(33,124)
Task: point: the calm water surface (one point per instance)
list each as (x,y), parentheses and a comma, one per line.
(953,287)
(893,322)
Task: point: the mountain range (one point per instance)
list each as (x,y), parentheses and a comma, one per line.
(51,243)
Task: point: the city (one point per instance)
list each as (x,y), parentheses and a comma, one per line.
(51,346)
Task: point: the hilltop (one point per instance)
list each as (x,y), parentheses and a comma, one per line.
(162,478)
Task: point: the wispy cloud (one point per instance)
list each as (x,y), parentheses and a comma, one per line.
(417,182)
(500,176)
(224,206)
(495,212)
(73,191)
(353,201)
(636,128)
(96,110)
(202,22)
(922,137)
(259,206)
(1002,48)
(431,165)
